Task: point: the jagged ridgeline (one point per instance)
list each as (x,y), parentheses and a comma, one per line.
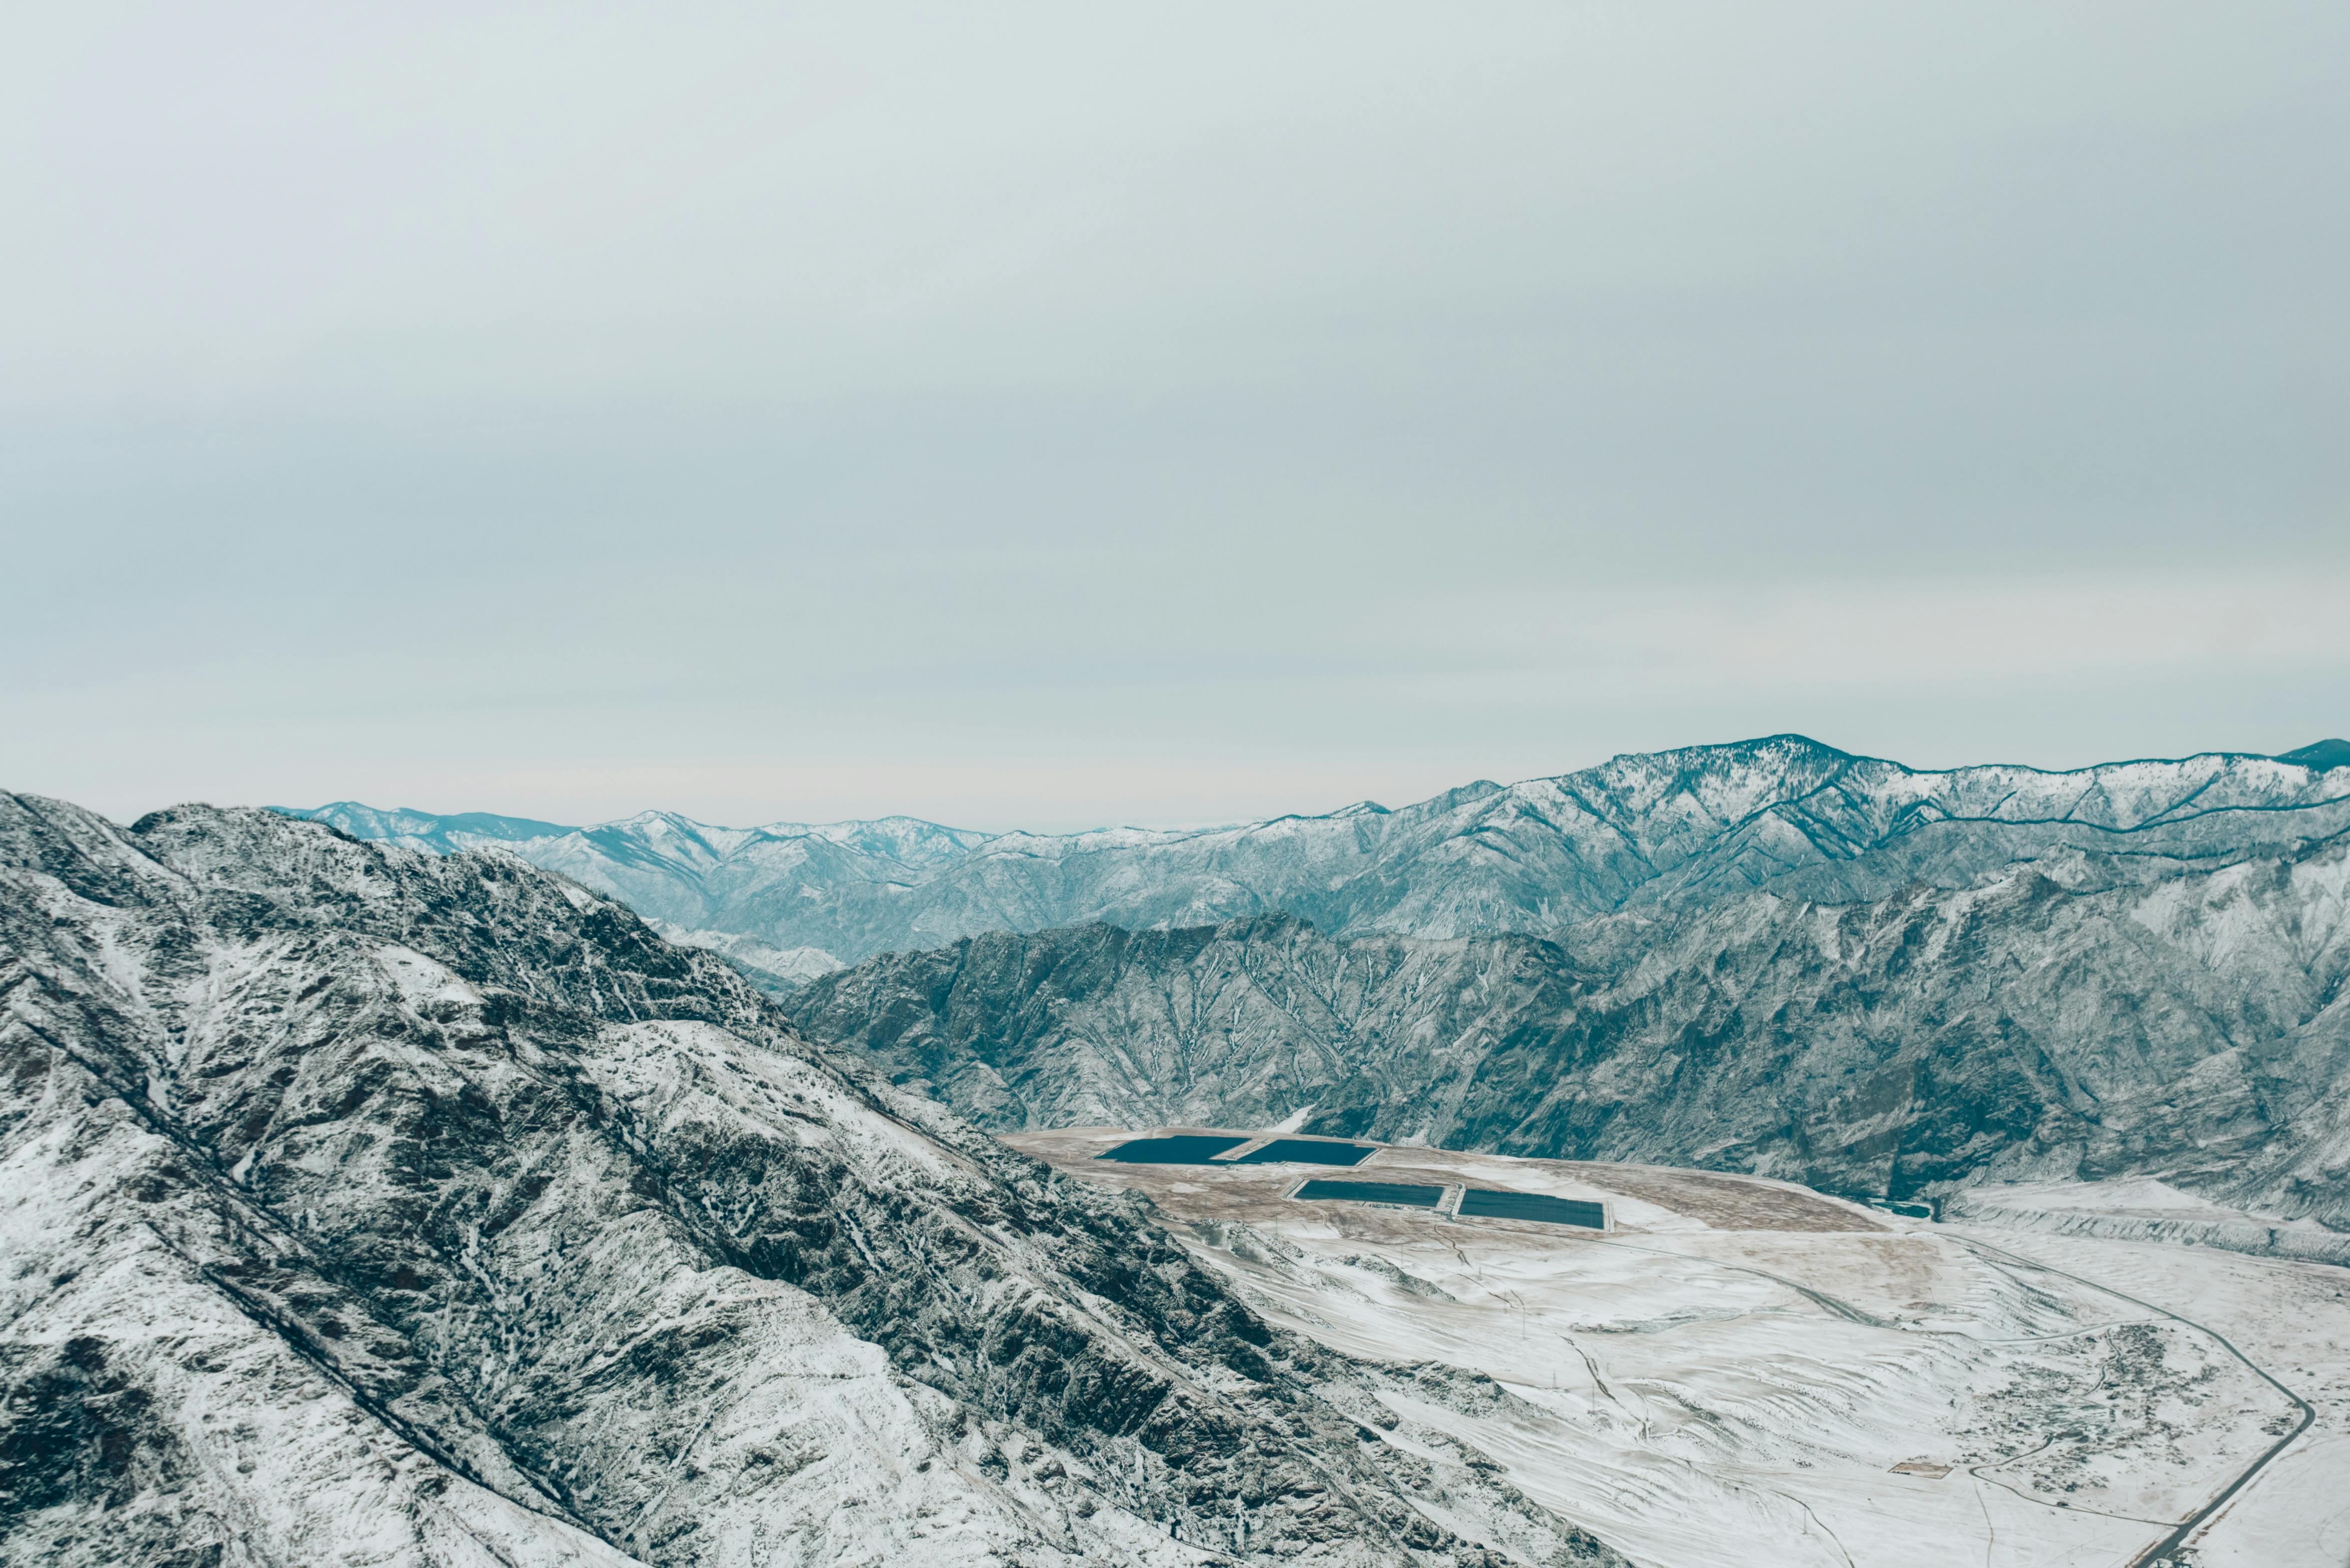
(363,1201)
(1665,830)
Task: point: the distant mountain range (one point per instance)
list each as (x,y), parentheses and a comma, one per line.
(1679,828)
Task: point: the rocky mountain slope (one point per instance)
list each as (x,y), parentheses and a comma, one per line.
(362,1204)
(2067,1021)
(1680,828)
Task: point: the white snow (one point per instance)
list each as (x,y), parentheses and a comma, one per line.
(1741,1372)
(420,982)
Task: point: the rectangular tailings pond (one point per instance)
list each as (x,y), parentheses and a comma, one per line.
(1305,1151)
(1484,1203)
(1399,1193)
(1184,1148)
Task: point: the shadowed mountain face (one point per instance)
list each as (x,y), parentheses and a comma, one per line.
(1672,829)
(361,1201)
(2195,1026)
(2333,753)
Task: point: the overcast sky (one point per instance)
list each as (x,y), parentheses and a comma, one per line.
(1049,416)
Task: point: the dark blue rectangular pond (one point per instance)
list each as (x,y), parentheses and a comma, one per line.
(1184,1148)
(1400,1192)
(1484,1203)
(1305,1151)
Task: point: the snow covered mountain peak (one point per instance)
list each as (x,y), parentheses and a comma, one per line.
(2320,754)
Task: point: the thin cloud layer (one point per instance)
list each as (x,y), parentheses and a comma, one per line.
(1053,416)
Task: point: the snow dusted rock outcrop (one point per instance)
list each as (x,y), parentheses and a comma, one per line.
(1668,829)
(2195,1027)
(360,1205)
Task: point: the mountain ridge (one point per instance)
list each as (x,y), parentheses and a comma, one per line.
(1700,822)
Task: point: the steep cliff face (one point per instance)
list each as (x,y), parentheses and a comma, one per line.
(1241,1024)
(364,1203)
(1668,829)
(2197,1026)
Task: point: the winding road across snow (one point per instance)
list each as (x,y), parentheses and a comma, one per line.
(2167,1549)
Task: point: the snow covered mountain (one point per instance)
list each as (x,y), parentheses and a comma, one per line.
(2196,1027)
(365,1198)
(743,891)
(362,1204)
(1681,827)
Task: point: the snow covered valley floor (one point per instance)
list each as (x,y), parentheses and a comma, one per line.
(1739,1371)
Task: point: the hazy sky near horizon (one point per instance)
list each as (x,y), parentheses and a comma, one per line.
(1047,416)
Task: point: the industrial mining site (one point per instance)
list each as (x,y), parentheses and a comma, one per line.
(1712,1369)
